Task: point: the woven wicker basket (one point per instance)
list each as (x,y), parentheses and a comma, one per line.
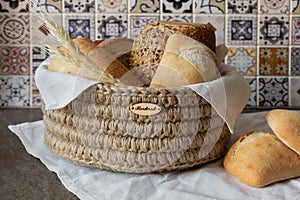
(98,129)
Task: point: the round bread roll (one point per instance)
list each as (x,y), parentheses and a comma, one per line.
(185,61)
(149,45)
(259,158)
(286,126)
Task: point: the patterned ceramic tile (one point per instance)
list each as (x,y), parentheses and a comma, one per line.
(112,6)
(51,6)
(209,6)
(80,26)
(217,21)
(176,6)
(14,91)
(36,97)
(14,29)
(137,22)
(37,36)
(178,18)
(296,30)
(243,59)
(14,6)
(241,30)
(111,26)
(144,6)
(295,5)
(274,6)
(79,6)
(273,92)
(253,97)
(242,6)
(14,60)
(273,61)
(273,30)
(39,54)
(295,91)
(295,61)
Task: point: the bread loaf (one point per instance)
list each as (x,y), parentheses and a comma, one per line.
(150,43)
(259,158)
(185,61)
(105,56)
(286,126)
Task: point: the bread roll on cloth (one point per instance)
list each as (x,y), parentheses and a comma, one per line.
(286,126)
(259,158)
(185,61)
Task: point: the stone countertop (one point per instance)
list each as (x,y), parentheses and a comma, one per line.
(22,176)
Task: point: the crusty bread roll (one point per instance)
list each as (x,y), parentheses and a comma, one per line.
(259,158)
(185,61)
(150,43)
(286,126)
(105,56)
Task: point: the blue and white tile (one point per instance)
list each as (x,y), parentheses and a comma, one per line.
(112,6)
(242,6)
(273,30)
(13,6)
(111,26)
(252,102)
(295,6)
(50,6)
(274,6)
(15,91)
(273,92)
(14,29)
(295,91)
(177,18)
(79,6)
(80,26)
(218,22)
(208,6)
(138,22)
(175,6)
(295,61)
(38,37)
(39,54)
(241,30)
(144,6)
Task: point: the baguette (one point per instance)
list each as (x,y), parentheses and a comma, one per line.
(259,158)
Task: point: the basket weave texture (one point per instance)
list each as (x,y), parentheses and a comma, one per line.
(98,129)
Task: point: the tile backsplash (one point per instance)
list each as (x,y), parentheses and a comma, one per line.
(263,38)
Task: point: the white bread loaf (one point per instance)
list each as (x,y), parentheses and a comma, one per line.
(185,61)
(286,126)
(259,158)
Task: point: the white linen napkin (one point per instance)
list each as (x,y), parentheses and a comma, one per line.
(228,95)
(209,182)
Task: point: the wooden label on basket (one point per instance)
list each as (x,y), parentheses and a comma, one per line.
(145,109)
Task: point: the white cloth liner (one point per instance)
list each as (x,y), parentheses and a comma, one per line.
(228,94)
(210,181)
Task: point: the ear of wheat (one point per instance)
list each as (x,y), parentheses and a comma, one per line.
(73,55)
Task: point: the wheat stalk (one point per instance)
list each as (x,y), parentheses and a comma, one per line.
(73,55)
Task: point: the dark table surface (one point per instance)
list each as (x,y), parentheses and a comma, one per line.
(22,176)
